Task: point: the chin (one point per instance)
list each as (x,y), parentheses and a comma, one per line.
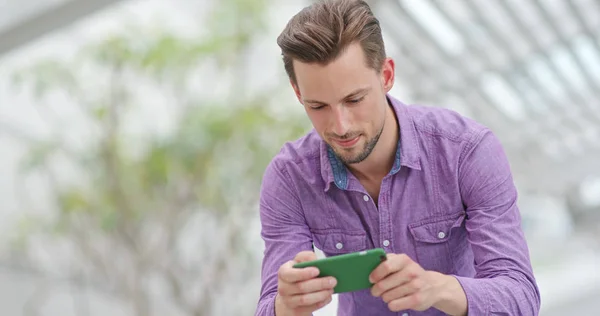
(350,152)
(347,155)
(354,160)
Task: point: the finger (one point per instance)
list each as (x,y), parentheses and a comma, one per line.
(314,307)
(308,299)
(393,280)
(403,290)
(289,274)
(313,285)
(308,286)
(404,303)
(305,256)
(393,264)
(408,273)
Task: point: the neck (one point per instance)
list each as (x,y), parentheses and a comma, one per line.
(382,158)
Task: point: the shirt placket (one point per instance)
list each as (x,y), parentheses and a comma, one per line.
(380,213)
(385,234)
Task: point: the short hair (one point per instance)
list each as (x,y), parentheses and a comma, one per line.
(322,31)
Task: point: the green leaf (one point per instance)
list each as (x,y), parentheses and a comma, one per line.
(38,155)
(46,76)
(113,51)
(25,227)
(100,112)
(108,220)
(74,201)
(155,166)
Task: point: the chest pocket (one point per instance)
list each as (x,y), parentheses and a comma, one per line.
(337,243)
(439,241)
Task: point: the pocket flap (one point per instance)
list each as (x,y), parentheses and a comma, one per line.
(339,243)
(436,230)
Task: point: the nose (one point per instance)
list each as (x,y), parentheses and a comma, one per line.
(341,124)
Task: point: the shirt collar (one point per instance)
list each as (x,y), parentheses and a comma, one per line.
(407,152)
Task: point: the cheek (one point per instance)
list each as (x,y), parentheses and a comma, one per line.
(318,120)
(371,119)
(366,115)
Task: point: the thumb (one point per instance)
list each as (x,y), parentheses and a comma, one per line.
(305,256)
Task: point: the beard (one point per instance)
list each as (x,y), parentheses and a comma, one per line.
(349,158)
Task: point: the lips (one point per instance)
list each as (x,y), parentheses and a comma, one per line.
(346,143)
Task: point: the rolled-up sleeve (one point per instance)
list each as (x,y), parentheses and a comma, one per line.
(283,229)
(504,283)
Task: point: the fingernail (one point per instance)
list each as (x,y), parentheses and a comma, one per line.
(332,281)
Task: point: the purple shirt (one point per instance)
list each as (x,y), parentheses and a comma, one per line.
(449,203)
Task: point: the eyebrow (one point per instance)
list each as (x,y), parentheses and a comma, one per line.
(352,94)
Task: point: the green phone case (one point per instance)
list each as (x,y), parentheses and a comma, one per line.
(351,270)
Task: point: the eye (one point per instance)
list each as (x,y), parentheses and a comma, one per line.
(354,101)
(317,107)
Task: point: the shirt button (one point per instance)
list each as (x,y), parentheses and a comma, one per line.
(366,198)
(386,243)
(441,235)
(339,245)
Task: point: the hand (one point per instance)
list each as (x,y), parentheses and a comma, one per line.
(404,284)
(299,291)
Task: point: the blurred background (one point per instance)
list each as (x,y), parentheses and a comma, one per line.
(134,134)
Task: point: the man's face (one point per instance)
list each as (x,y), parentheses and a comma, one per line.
(345,101)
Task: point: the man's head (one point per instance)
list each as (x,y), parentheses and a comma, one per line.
(334,55)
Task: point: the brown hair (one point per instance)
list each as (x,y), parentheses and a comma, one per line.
(322,31)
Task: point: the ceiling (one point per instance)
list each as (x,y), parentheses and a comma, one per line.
(22,21)
(528,69)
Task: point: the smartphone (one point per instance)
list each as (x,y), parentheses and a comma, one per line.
(351,270)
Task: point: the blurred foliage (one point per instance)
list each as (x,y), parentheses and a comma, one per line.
(127,212)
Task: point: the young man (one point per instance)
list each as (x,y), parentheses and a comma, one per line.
(432,188)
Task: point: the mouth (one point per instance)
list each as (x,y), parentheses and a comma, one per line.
(347,143)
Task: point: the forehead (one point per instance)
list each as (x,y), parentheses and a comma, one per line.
(335,80)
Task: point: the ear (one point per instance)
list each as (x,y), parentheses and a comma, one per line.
(388,74)
(296,91)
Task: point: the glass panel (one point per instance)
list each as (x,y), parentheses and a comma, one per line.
(589,191)
(590,134)
(540,72)
(584,48)
(457,103)
(590,12)
(505,27)
(13,11)
(573,143)
(567,66)
(533,100)
(503,96)
(558,12)
(436,25)
(531,18)
(552,149)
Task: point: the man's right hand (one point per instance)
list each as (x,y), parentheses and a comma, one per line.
(299,291)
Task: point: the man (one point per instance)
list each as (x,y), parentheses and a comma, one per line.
(432,188)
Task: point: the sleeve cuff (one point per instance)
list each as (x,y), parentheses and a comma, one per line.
(267,306)
(478,302)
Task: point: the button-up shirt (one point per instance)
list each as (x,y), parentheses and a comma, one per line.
(449,203)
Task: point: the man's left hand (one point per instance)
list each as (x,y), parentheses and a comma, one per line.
(404,284)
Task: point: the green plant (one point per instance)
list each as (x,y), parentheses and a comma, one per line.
(136,198)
